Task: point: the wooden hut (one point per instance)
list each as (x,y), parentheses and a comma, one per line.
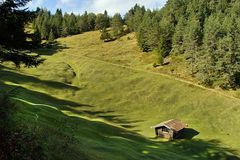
(170,129)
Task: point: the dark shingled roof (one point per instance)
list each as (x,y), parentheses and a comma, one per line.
(174,124)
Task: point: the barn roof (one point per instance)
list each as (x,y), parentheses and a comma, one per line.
(174,124)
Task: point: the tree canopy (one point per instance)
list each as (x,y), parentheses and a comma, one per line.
(13,38)
(206,32)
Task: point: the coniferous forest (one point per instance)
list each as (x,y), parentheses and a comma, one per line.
(52,26)
(206,32)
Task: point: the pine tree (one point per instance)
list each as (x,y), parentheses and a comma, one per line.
(13,18)
(178,37)
(117,25)
(72,24)
(56,23)
(83,23)
(45,25)
(208,58)
(144,33)
(138,16)
(36,38)
(51,37)
(102,21)
(192,41)
(64,32)
(91,21)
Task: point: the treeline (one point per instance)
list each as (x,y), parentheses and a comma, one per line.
(205,32)
(58,25)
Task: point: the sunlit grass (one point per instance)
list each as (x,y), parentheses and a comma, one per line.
(113,82)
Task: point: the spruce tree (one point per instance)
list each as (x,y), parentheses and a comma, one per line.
(102,21)
(117,25)
(144,33)
(178,36)
(51,37)
(91,21)
(56,23)
(138,16)
(192,41)
(13,18)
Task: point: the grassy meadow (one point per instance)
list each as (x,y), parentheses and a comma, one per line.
(96,100)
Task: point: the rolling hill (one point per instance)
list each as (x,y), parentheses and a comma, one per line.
(96,100)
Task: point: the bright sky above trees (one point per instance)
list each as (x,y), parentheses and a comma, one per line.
(79,6)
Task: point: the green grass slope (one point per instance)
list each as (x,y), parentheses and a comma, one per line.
(44,127)
(97,87)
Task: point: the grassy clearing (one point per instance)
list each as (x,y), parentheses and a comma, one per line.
(99,87)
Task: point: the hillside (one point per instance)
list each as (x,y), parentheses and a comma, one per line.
(104,97)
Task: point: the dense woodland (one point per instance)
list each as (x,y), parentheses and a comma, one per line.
(205,32)
(51,26)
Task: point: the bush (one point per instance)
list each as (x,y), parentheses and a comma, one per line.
(105,36)
(159,59)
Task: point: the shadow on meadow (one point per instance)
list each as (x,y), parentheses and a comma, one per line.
(50,48)
(68,137)
(59,135)
(8,75)
(18,78)
(200,149)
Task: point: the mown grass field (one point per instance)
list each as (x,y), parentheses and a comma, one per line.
(98,100)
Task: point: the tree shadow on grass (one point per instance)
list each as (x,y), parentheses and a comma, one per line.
(18,78)
(66,132)
(7,75)
(115,118)
(118,138)
(111,140)
(211,150)
(50,48)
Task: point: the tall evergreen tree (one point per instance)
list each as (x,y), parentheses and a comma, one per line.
(138,16)
(13,38)
(102,21)
(91,21)
(178,37)
(144,33)
(56,23)
(51,37)
(192,41)
(117,25)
